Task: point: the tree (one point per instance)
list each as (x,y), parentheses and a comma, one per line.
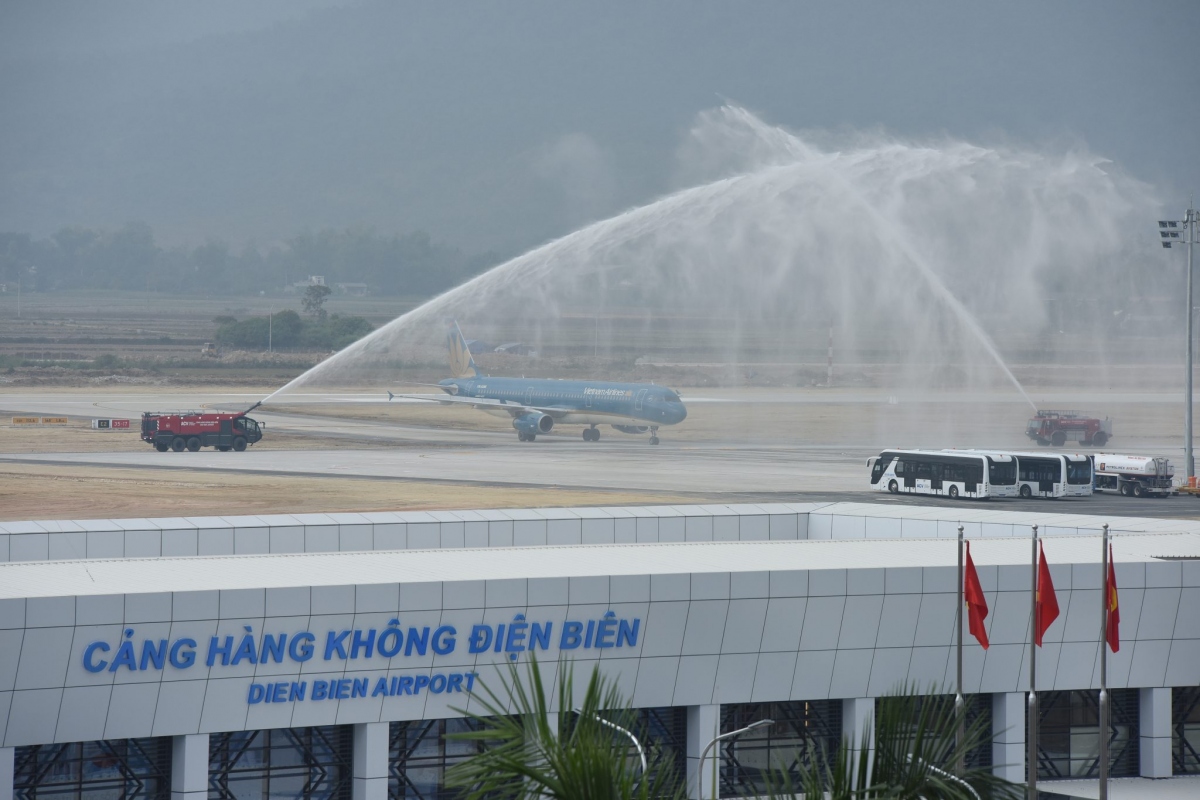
(910,754)
(525,756)
(314,300)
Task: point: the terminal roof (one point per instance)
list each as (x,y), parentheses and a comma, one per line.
(136,576)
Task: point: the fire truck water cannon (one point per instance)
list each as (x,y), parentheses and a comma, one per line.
(1059,427)
(191,430)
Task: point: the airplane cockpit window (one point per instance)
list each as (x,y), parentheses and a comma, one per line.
(671,397)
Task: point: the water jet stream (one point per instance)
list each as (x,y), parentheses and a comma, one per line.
(778,235)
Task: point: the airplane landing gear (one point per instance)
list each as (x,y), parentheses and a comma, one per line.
(591,434)
(654,434)
(526,437)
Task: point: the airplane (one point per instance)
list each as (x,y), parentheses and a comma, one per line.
(536,405)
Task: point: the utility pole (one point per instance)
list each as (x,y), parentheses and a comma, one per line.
(1031,713)
(1104,727)
(829,362)
(960,765)
(1169,230)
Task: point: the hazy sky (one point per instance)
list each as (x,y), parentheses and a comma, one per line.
(500,124)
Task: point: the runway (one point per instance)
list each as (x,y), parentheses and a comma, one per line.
(710,468)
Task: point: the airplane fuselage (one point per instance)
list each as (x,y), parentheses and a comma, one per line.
(575,402)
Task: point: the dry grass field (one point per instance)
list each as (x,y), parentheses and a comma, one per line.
(70,492)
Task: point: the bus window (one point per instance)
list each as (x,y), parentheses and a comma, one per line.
(879,467)
(1002,473)
(1079,473)
(1038,470)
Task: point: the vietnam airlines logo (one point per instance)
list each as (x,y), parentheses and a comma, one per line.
(460,356)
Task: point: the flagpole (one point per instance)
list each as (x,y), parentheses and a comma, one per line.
(1032,712)
(1104,667)
(959,704)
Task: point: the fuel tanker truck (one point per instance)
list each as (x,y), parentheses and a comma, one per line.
(1133,476)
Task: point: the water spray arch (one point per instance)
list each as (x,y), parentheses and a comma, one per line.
(926,250)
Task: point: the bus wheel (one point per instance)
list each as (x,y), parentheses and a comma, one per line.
(239,444)
(893,487)
(178,444)
(1100,439)
(193,444)
(1026,492)
(162,445)
(954,491)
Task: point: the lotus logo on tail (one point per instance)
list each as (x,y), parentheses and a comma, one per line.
(461,363)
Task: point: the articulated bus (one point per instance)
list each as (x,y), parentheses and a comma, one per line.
(976,475)
(1049,474)
(1058,475)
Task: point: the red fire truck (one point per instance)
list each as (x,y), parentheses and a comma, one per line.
(191,430)
(1059,427)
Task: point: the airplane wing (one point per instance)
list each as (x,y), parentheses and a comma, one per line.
(514,409)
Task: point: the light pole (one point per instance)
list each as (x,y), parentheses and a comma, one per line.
(619,729)
(707,747)
(1169,230)
(946,775)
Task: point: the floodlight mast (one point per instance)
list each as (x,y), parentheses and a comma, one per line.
(1170,235)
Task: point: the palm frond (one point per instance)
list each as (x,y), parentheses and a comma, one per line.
(911,753)
(530,752)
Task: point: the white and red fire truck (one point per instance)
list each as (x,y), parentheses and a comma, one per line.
(191,430)
(1059,427)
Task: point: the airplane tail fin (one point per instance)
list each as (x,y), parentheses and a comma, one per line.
(461,363)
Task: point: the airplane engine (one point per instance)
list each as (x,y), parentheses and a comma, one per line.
(534,423)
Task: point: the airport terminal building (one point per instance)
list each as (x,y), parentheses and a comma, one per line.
(323,657)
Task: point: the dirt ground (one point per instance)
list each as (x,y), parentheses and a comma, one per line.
(64,492)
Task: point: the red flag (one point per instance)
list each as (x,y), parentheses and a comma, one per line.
(1046,601)
(1110,603)
(977,609)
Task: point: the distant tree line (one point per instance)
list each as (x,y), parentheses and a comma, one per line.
(287,330)
(130,259)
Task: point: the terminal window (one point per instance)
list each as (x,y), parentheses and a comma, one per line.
(284,764)
(1069,734)
(419,753)
(1185,730)
(118,769)
(802,729)
(663,732)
